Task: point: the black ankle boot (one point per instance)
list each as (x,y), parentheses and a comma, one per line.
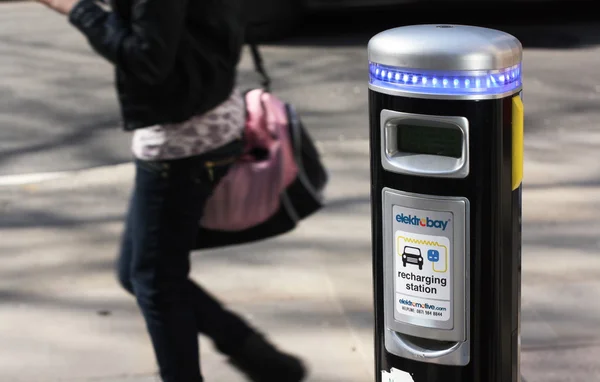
(262,362)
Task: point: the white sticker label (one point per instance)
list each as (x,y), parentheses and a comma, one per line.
(396,375)
(423,267)
(423,276)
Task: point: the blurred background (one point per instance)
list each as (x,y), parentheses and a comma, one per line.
(277,19)
(65,175)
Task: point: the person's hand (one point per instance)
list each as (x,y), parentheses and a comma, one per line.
(61,6)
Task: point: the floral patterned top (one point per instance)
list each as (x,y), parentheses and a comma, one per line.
(196,136)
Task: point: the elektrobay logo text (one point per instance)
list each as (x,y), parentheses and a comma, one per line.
(423,222)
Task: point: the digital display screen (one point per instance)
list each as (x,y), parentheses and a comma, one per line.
(444,141)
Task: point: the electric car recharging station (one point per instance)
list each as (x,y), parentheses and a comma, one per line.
(446,141)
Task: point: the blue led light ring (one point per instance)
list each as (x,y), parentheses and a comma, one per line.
(448,83)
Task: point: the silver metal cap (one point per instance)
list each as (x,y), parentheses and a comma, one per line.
(445,47)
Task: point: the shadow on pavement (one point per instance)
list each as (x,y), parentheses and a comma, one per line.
(54,119)
(309,288)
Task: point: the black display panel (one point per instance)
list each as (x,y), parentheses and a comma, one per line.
(418,139)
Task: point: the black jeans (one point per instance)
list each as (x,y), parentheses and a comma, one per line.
(154,263)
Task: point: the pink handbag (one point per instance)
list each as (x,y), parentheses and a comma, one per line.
(250,192)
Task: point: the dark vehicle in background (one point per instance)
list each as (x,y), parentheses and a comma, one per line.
(274,19)
(270,19)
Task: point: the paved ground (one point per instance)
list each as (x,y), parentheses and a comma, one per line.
(58,109)
(58,244)
(62,317)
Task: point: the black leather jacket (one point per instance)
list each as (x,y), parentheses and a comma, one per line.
(174,58)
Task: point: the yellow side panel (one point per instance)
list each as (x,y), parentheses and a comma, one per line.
(518,147)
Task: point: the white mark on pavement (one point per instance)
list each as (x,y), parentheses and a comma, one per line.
(22,179)
(396,375)
(33,178)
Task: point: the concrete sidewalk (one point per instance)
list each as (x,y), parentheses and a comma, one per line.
(63,317)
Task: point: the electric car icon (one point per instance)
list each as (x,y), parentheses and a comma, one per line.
(412,255)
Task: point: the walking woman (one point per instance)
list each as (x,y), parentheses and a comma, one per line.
(175,63)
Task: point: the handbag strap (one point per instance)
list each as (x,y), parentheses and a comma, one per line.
(259,67)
